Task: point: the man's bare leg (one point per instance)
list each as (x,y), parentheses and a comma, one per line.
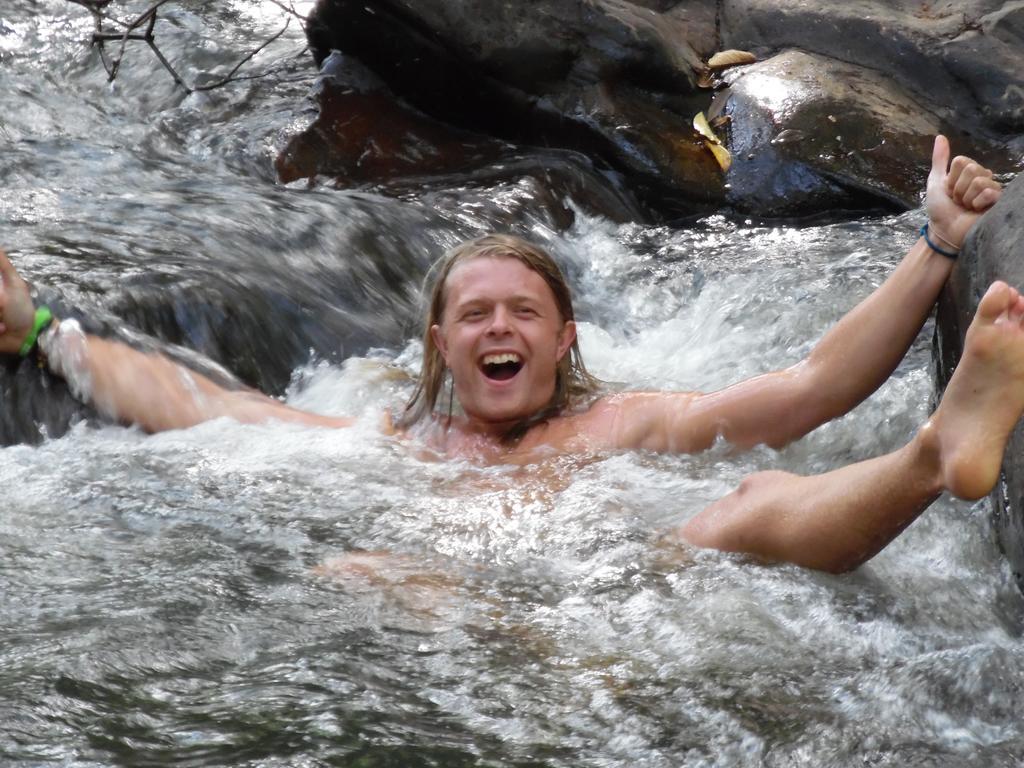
(840,519)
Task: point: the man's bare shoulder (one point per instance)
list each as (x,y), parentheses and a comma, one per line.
(622,420)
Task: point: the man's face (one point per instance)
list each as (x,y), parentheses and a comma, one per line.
(502,336)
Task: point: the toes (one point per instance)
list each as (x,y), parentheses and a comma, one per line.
(997,299)
(1016,310)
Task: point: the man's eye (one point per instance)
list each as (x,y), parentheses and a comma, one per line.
(530,311)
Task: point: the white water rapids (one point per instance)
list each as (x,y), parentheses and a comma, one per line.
(171,599)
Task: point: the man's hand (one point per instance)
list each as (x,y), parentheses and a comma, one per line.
(958,193)
(17,314)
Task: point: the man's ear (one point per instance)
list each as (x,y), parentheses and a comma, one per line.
(439,341)
(566,337)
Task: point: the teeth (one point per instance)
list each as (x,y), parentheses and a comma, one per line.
(507,357)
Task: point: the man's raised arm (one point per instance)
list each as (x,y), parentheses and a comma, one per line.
(123,383)
(849,363)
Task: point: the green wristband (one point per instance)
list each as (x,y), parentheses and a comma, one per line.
(43,319)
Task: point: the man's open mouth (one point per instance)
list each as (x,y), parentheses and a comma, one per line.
(501,367)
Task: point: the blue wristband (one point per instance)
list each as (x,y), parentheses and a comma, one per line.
(934,247)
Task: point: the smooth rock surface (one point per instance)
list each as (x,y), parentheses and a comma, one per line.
(809,133)
(963,58)
(621,82)
(366,137)
(613,80)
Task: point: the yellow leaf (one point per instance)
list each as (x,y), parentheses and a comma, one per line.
(721,155)
(731,58)
(700,125)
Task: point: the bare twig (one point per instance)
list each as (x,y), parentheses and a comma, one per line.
(94,6)
(168,67)
(287,8)
(98,9)
(109,37)
(238,66)
(131,32)
(149,13)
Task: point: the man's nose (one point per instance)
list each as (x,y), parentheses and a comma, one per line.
(500,321)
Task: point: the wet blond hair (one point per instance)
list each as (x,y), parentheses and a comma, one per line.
(573,382)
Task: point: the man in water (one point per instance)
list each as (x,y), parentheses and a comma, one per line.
(501,324)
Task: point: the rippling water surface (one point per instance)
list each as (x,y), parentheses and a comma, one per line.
(271,595)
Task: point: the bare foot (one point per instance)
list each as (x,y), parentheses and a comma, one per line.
(984,398)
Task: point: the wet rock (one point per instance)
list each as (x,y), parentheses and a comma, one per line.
(964,59)
(653,143)
(993,251)
(34,405)
(809,133)
(364,136)
(535,48)
(621,81)
(615,81)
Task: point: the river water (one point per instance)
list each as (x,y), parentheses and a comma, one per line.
(278,596)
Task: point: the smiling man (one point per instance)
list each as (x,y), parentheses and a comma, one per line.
(501,325)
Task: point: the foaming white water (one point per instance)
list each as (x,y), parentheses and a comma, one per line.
(272,594)
(607,643)
(544,608)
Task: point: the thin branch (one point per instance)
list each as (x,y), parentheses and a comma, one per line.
(98,9)
(287,8)
(168,67)
(93,6)
(109,37)
(148,13)
(238,66)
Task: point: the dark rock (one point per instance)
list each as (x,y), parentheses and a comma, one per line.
(34,404)
(993,251)
(809,133)
(613,80)
(365,137)
(963,58)
(364,134)
(620,82)
(533,47)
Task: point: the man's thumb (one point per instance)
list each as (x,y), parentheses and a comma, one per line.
(6,268)
(940,156)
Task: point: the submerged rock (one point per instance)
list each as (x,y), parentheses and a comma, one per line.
(993,251)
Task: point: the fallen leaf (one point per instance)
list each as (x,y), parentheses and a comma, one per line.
(706,79)
(731,58)
(712,142)
(700,125)
(721,155)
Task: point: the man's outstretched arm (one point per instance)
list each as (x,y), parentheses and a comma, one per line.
(133,387)
(849,363)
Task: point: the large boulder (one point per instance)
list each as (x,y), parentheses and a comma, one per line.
(810,133)
(963,59)
(621,82)
(614,80)
(993,251)
(365,136)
